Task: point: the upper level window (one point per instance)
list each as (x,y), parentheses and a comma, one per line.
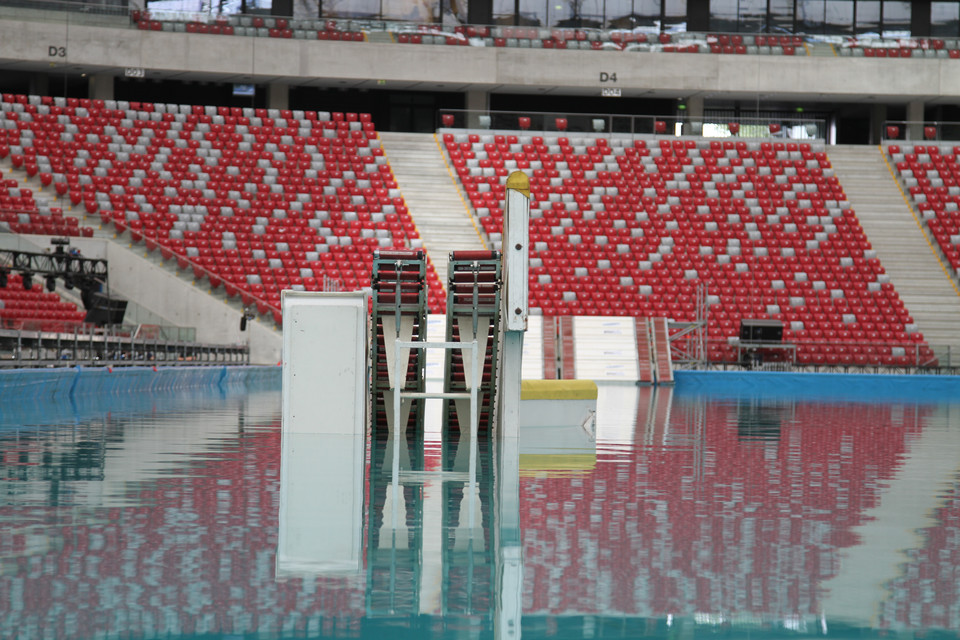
(838,18)
(945,19)
(896,19)
(781,16)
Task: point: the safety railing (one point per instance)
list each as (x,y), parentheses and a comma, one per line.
(827,355)
(920,131)
(121,345)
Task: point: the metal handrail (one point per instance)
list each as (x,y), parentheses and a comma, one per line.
(110,346)
(920,131)
(746,127)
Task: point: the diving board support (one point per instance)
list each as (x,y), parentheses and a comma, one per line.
(471,394)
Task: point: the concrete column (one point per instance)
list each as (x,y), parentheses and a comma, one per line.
(694,124)
(101,87)
(278,96)
(915,120)
(920,18)
(878,115)
(476,102)
(39,84)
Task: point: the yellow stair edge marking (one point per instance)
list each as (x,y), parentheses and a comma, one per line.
(456,185)
(916,219)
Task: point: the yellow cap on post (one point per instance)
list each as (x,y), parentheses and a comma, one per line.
(519,181)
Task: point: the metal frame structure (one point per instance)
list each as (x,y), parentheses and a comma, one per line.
(99,347)
(473,297)
(87,274)
(398,312)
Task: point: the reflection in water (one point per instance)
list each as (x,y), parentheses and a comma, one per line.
(691,516)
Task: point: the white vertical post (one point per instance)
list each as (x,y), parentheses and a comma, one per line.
(509,556)
(516,253)
(516,266)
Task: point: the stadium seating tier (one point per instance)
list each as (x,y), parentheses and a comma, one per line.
(34,309)
(929,175)
(257,200)
(628,225)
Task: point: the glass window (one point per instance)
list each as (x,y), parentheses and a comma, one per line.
(753,16)
(560,13)
(413,10)
(723,15)
(533,13)
(647,12)
(504,11)
(455,11)
(896,19)
(675,15)
(945,19)
(811,15)
(868,17)
(619,14)
(781,16)
(591,14)
(838,19)
(351,8)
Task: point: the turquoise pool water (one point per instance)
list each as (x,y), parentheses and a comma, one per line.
(683,515)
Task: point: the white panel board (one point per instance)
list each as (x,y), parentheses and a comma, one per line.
(323,429)
(321,521)
(324,362)
(436,332)
(605,348)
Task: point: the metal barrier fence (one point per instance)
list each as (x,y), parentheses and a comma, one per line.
(847,356)
(113,346)
(920,131)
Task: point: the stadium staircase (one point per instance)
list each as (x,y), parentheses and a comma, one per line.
(443,220)
(905,252)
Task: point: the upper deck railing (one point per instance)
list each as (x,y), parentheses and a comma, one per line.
(566,122)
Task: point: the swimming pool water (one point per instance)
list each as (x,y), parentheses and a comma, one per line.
(682,516)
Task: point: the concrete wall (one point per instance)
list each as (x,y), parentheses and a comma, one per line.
(179,302)
(295,61)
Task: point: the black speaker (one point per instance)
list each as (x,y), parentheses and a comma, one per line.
(761,331)
(104,310)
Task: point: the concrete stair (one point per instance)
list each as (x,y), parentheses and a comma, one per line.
(902,247)
(442,217)
(820,49)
